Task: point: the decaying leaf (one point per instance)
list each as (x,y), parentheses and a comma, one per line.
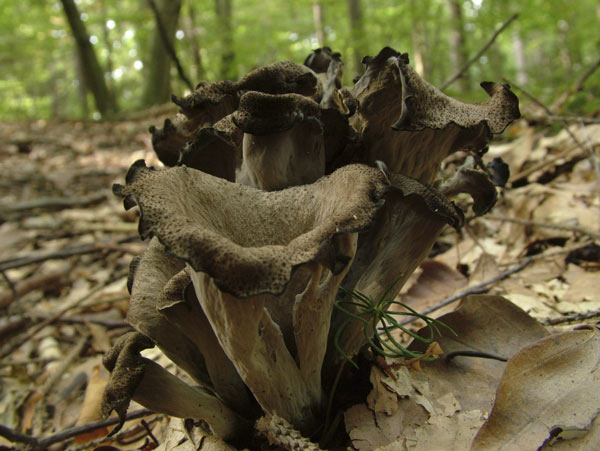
(448,398)
(549,388)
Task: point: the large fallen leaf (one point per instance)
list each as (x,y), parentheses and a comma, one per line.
(448,399)
(550,387)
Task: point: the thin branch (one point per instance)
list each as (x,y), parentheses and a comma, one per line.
(32,283)
(572,318)
(56,203)
(478,54)
(35,443)
(475,289)
(41,256)
(10,347)
(548,225)
(168,45)
(578,86)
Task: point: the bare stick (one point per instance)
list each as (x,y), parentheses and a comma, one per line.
(168,45)
(64,365)
(548,225)
(56,203)
(558,104)
(10,347)
(81,249)
(478,54)
(30,284)
(475,289)
(67,434)
(572,318)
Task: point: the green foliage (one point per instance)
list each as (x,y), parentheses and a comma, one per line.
(41,79)
(379,319)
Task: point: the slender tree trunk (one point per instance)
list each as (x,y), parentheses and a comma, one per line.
(91,70)
(157,89)
(419,17)
(357,30)
(192,32)
(318,19)
(224,10)
(520,64)
(81,87)
(457,42)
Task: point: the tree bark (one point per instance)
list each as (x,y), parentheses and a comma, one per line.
(91,70)
(192,32)
(357,31)
(457,42)
(318,19)
(518,49)
(158,64)
(224,10)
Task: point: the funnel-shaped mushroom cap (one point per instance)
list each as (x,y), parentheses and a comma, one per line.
(248,240)
(412,126)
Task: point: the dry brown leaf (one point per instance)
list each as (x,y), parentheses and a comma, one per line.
(90,410)
(436,282)
(554,383)
(449,399)
(485,268)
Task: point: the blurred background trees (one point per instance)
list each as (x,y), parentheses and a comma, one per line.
(69,59)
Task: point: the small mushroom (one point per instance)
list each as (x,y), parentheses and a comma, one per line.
(412,126)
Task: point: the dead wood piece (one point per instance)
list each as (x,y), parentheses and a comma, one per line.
(44,443)
(548,225)
(55,203)
(41,256)
(475,289)
(10,347)
(576,317)
(45,281)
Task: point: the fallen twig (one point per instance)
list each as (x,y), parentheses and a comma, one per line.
(32,283)
(9,348)
(81,249)
(547,225)
(475,289)
(578,86)
(44,443)
(479,53)
(572,318)
(55,203)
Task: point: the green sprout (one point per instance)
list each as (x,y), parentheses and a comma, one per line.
(379,320)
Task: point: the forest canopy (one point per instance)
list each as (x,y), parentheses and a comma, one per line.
(545,50)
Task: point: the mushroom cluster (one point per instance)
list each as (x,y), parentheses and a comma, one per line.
(283,187)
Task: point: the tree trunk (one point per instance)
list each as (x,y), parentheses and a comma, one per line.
(518,46)
(91,70)
(458,52)
(318,19)
(158,64)
(192,32)
(357,30)
(224,10)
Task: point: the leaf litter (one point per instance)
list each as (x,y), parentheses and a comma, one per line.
(75,243)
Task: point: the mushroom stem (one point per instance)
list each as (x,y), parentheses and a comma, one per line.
(312,316)
(163,392)
(255,345)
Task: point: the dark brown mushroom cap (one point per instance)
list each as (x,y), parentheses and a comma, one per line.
(265,114)
(422,105)
(320,59)
(249,241)
(212,152)
(282,77)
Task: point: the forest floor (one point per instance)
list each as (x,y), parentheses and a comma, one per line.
(66,243)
